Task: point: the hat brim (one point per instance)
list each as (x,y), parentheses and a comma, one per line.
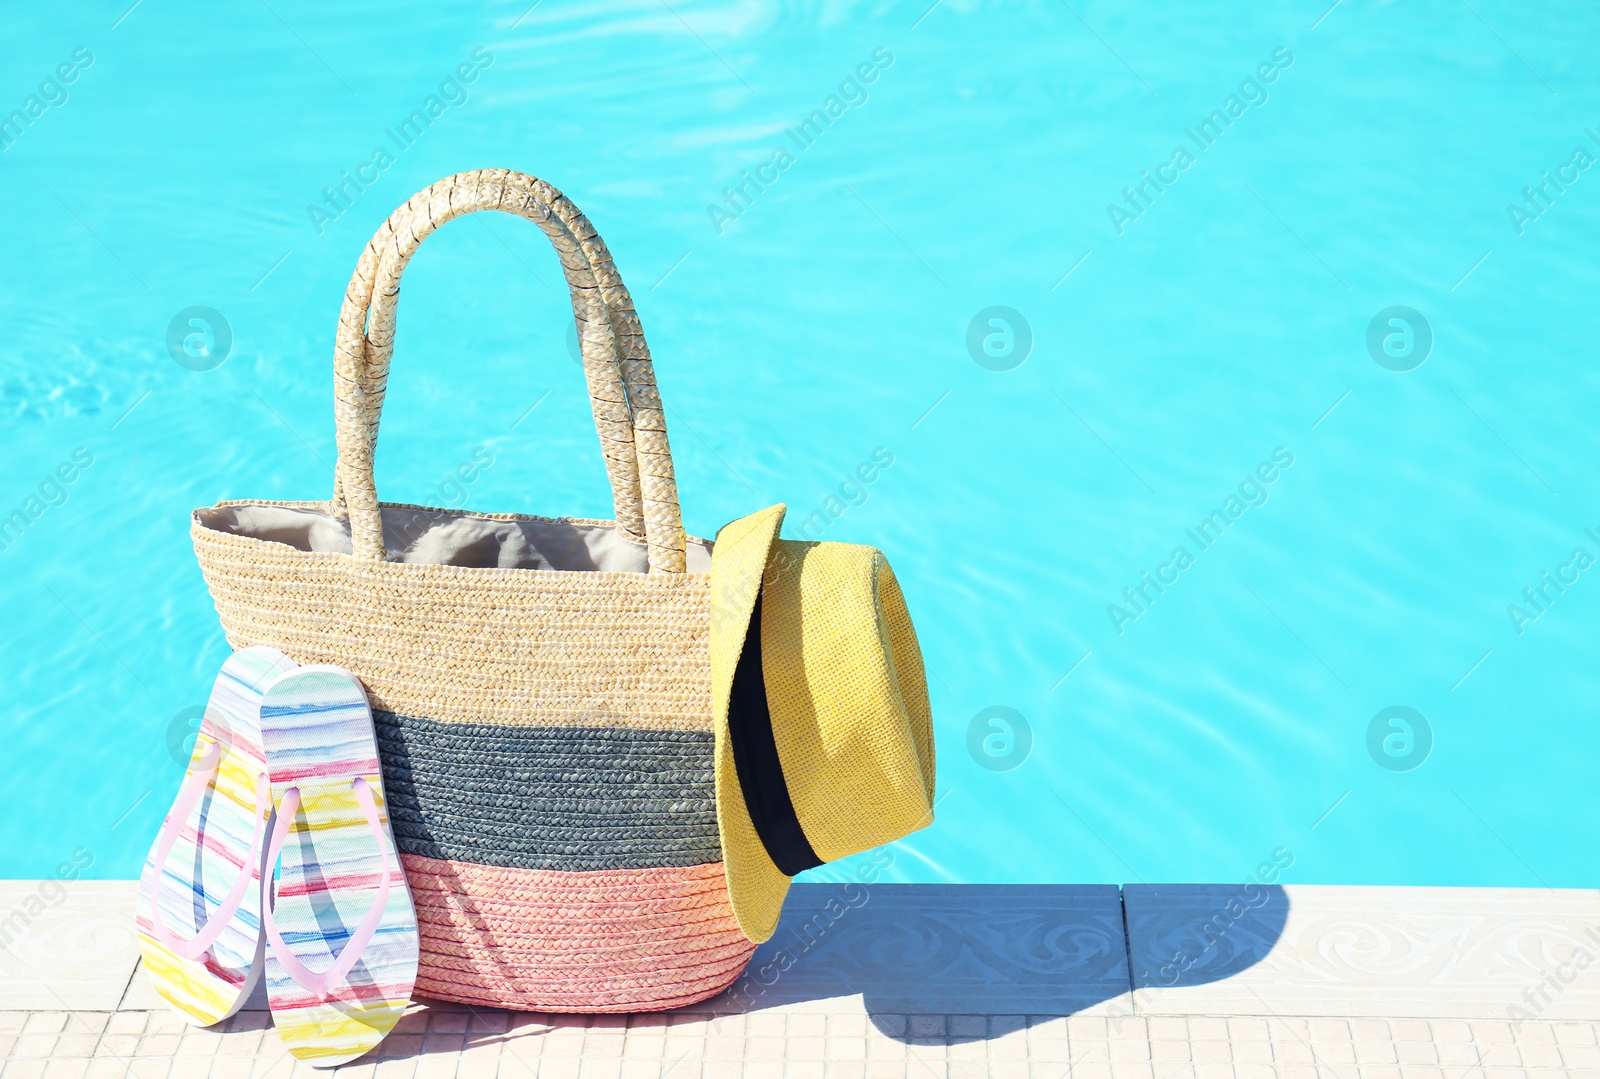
(756,886)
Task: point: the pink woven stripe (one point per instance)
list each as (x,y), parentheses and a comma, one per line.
(625,940)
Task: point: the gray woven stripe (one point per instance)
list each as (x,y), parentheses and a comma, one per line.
(572,798)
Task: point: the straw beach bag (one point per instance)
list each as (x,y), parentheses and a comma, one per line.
(541,686)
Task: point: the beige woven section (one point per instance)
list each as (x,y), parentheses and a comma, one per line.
(466,644)
(622,388)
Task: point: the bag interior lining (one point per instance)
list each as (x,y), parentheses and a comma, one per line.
(443,537)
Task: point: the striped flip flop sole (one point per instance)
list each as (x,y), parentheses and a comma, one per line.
(209,852)
(341,893)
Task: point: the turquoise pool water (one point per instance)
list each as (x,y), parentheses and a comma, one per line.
(1203,370)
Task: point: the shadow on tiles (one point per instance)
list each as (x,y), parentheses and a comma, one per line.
(1193,934)
(1014,951)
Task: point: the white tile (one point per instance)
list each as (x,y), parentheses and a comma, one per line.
(1467,953)
(66,945)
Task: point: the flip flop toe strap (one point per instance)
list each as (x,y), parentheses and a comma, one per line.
(194,787)
(320,985)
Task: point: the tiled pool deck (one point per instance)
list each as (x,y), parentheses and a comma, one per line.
(1023,981)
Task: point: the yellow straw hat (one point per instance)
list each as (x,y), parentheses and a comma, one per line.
(824,742)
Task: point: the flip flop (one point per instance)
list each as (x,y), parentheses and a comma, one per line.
(341,930)
(199,908)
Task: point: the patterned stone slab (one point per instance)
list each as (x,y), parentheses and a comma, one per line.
(1493,953)
(66,945)
(1185,935)
(947,949)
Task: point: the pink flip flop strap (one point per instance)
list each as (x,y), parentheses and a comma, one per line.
(320,985)
(194,787)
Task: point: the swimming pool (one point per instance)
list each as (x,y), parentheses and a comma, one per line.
(1300,294)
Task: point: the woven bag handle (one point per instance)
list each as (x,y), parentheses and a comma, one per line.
(372,357)
(621,380)
(615,426)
